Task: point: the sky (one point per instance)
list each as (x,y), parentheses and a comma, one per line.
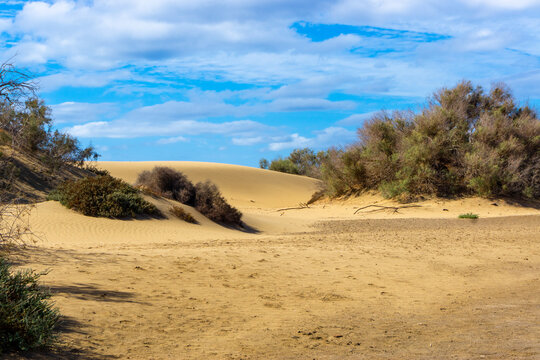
(238,80)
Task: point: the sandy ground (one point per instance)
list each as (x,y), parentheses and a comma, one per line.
(310,283)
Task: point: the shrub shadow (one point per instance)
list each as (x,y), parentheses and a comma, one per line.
(90,292)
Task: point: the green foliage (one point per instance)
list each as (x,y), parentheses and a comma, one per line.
(299,162)
(263,163)
(468,216)
(283,165)
(103,196)
(27,318)
(305,161)
(30,130)
(465,141)
(182,214)
(205,197)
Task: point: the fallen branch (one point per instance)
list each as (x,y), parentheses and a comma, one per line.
(381,207)
(300,206)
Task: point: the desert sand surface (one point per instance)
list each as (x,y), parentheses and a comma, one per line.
(333,280)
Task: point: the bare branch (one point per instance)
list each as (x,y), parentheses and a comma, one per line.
(15,84)
(380,207)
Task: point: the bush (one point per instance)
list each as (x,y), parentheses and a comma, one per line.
(103,196)
(30,130)
(284,165)
(168,183)
(182,214)
(27,318)
(465,142)
(299,162)
(210,203)
(205,197)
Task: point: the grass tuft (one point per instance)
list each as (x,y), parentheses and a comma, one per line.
(468,216)
(182,214)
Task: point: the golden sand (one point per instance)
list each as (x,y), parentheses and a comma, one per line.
(331,281)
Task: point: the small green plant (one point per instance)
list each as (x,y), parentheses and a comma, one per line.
(468,216)
(182,214)
(103,196)
(27,319)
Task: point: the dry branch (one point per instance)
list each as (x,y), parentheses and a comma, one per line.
(300,206)
(381,207)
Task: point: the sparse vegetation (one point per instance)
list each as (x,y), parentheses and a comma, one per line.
(210,203)
(465,142)
(205,197)
(32,151)
(103,196)
(468,216)
(182,214)
(168,183)
(27,318)
(299,162)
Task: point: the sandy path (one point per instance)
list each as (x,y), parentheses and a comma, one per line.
(404,288)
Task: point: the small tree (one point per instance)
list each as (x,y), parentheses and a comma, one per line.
(263,163)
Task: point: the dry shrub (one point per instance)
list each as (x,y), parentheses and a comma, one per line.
(210,203)
(168,183)
(14,225)
(205,197)
(182,214)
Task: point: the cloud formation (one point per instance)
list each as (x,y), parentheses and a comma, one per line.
(271,74)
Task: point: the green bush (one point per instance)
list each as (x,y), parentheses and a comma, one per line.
(27,318)
(103,196)
(464,142)
(284,165)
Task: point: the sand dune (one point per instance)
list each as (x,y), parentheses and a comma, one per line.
(241,185)
(319,282)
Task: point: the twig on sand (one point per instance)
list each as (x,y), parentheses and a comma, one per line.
(381,207)
(300,206)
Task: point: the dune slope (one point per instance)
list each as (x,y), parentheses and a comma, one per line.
(241,185)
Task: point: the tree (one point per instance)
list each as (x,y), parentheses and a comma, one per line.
(15,84)
(263,163)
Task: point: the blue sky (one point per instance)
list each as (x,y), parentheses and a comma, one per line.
(234,81)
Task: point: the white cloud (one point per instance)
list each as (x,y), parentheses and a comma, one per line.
(77,112)
(124,128)
(172,140)
(356,119)
(332,136)
(248,141)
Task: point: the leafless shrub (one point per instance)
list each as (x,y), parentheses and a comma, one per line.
(14,225)
(210,203)
(168,183)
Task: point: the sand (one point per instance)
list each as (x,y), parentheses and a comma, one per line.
(319,282)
